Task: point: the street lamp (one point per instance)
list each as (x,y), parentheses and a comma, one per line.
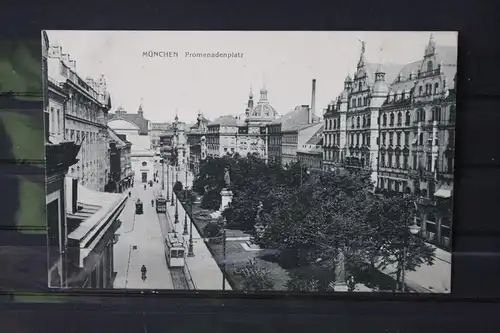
(168,179)
(185,202)
(190,247)
(413,229)
(176,134)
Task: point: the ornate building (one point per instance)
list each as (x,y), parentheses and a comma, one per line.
(84,105)
(197,143)
(402,130)
(136,118)
(228,135)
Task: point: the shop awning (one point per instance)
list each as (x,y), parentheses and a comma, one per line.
(97,211)
(445,191)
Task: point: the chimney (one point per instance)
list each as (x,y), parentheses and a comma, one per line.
(313,102)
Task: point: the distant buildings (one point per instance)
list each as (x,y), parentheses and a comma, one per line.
(155,131)
(121,174)
(400,125)
(244,135)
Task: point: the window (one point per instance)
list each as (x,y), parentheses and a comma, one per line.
(398,139)
(420,90)
(382,159)
(357,122)
(144,164)
(398,160)
(392,119)
(405,161)
(429,66)
(391,139)
(384,120)
(357,139)
(408,118)
(400,119)
(353,103)
(389,159)
(383,138)
(429,163)
(436,87)
(364,121)
(415,165)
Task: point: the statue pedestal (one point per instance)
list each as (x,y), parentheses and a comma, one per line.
(227,196)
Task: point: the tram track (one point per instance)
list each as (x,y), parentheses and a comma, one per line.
(179,280)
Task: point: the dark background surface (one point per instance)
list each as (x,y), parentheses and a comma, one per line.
(473,304)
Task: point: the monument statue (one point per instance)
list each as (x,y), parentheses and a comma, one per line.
(340,269)
(227,178)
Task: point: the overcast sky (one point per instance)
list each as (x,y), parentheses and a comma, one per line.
(286,61)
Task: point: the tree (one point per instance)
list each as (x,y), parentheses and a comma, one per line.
(178,186)
(213,231)
(255,278)
(211,199)
(389,218)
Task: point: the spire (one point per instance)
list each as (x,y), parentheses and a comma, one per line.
(431,46)
(140,112)
(250,100)
(263,91)
(361,61)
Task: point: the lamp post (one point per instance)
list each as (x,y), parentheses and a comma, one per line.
(190,246)
(225,254)
(185,202)
(413,229)
(172,176)
(168,191)
(176,135)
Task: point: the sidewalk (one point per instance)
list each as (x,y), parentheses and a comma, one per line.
(203,268)
(429,278)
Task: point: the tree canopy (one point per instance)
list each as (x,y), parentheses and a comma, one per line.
(308,219)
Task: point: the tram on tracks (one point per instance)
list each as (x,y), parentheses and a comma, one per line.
(175,250)
(161,204)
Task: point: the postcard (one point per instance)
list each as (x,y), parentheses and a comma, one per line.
(250,161)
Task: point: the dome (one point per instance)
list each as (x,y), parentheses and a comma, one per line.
(263,110)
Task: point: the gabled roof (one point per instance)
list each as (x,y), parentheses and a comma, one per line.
(317,137)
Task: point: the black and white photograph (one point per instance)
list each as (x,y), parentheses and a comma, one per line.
(315,161)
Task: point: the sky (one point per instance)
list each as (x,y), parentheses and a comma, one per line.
(285,62)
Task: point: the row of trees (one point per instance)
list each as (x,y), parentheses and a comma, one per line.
(310,219)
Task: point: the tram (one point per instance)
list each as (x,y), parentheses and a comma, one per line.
(161,204)
(138,207)
(175,250)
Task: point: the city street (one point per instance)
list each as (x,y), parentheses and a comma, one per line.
(144,232)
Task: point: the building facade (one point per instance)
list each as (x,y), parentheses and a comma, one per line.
(401,129)
(142,157)
(196,139)
(119,179)
(243,135)
(310,154)
(155,131)
(85,106)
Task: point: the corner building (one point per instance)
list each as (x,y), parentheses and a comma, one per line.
(400,125)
